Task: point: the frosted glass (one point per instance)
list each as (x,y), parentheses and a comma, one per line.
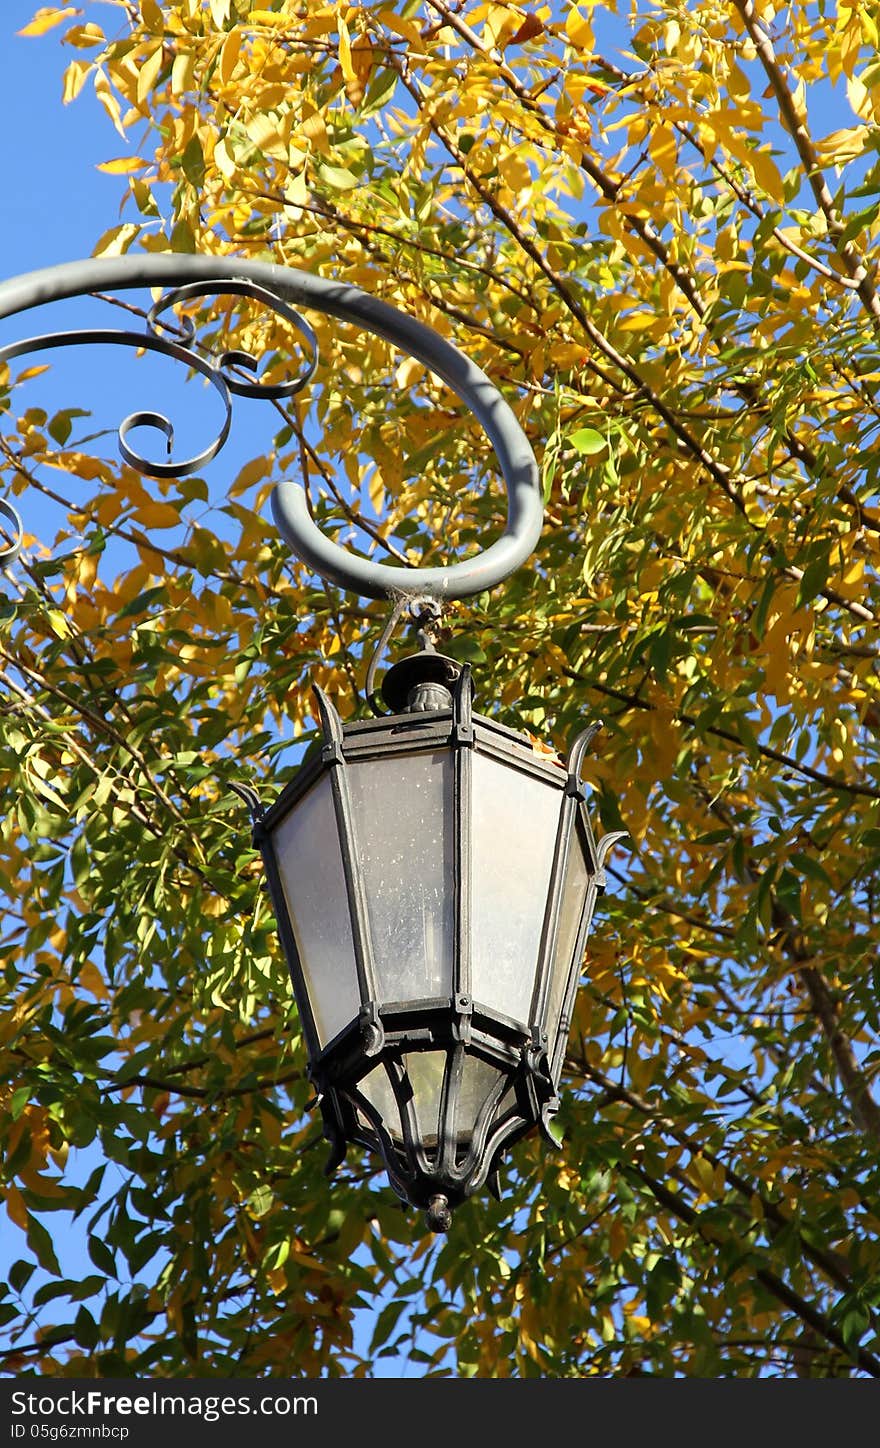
(402,809)
(478,1078)
(574,894)
(515,816)
(425,1070)
(306,844)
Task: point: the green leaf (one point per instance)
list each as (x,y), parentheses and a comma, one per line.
(61,424)
(20,1274)
(41,1245)
(807,865)
(385,1323)
(143,601)
(853,1326)
(182,238)
(101,1256)
(339,177)
(85,1329)
(587,441)
(814,579)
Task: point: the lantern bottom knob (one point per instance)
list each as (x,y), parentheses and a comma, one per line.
(438,1215)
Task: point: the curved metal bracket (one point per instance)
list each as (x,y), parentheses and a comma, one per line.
(10,551)
(282,287)
(607,843)
(575,786)
(576,756)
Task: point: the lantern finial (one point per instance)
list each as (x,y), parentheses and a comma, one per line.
(438,1216)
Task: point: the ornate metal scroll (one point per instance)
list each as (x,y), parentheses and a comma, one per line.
(216,370)
(282,290)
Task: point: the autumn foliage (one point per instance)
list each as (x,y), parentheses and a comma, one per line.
(655,227)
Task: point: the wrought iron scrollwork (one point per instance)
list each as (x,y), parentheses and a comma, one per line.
(219,371)
(227,362)
(190,278)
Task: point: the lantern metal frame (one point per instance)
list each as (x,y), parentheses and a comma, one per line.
(386,1031)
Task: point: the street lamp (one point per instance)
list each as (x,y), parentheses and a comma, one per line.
(433,876)
(433,872)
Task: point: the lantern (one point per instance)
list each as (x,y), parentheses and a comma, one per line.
(434,874)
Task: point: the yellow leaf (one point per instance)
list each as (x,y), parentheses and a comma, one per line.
(108,100)
(58,623)
(229,55)
(855,573)
(296,194)
(305,1259)
(121,166)
(618,1239)
(148,73)
(408,373)
(663,149)
(84,37)
(702,1172)
(270,135)
(223,161)
(277,1280)
(44,1186)
(579,30)
(154,514)
(407,28)
(16,1208)
(90,979)
(182,73)
(514,171)
(251,473)
(47,18)
(74,80)
(843,146)
(32,371)
(80,465)
(117,240)
(859,97)
(500,22)
(766,173)
(376,491)
(152,16)
(314,130)
(345,50)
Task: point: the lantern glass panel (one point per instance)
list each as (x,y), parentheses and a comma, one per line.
(514,820)
(309,860)
(425,1071)
(402,808)
(574,894)
(479,1078)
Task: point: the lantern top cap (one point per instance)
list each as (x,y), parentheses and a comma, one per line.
(426,667)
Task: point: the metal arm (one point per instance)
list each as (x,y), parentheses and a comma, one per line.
(289,504)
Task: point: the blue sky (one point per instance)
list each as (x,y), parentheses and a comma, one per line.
(56,204)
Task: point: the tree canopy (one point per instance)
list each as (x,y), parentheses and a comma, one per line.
(654,225)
